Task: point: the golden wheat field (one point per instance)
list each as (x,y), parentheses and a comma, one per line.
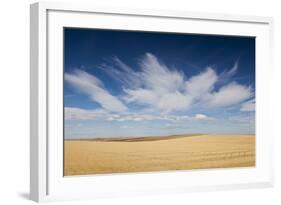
(184,152)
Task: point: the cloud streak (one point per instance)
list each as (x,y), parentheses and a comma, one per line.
(94,89)
(73,113)
(230,94)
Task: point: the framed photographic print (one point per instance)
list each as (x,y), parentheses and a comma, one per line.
(130,102)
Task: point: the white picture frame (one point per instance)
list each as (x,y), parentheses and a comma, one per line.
(46,177)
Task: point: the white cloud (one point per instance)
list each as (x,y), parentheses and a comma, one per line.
(248,106)
(94,88)
(146,117)
(168,90)
(230,94)
(166,102)
(200,116)
(158,86)
(157,76)
(73,113)
(202,84)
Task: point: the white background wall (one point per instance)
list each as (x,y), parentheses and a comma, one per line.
(14,101)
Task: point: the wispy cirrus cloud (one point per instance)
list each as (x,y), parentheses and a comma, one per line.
(230,94)
(94,88)
(168,90)
(200,86)
(156,86)
(228,74)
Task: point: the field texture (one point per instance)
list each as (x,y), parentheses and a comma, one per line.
(83,157)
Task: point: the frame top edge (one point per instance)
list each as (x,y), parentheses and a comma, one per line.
(90,7)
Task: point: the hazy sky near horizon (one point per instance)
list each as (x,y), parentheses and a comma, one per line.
(125,83)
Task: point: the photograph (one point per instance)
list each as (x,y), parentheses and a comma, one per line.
(150,101)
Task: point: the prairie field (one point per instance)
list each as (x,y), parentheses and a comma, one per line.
(146,154)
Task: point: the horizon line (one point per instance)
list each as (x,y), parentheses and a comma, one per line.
(153,136)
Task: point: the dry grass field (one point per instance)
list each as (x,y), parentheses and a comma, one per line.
(82,157)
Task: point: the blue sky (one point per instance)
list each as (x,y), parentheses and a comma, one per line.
(127,84)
